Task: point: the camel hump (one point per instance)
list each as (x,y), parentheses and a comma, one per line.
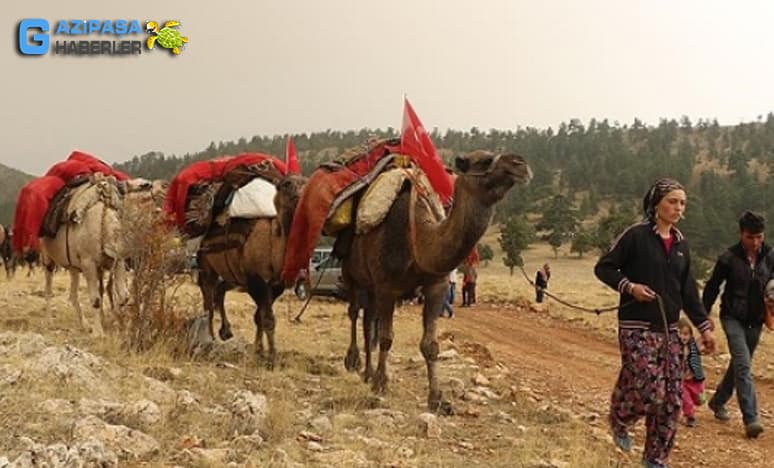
(82,198)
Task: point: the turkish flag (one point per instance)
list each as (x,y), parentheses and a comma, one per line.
(291,158)
(416,143)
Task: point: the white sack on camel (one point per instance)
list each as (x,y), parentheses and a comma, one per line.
(254,200)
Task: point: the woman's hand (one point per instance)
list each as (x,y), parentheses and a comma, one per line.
(641,292)
(708,339)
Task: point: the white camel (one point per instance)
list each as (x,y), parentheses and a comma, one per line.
(89,242)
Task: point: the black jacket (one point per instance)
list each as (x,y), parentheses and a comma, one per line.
(638,256)
(744,291)
(541,279)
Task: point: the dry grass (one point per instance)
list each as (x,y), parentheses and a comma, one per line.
(278,425)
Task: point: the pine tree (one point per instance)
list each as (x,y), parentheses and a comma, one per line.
(515,236)
(559,222)
(485,253)
(610,227)
(582,242)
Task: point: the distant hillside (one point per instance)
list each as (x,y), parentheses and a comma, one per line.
(598,170)
(599,166)
(11,181)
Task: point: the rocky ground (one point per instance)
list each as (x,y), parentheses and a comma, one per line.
(69,399)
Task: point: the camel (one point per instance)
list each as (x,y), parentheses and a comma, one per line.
(6,252)
(89,243)
(389,264)
(254,263)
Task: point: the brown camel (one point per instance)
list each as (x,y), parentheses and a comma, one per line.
(6,252)
(412,249)
(4,239)
(89,243)
(249,254)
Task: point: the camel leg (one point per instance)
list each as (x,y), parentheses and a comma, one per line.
(74,280)
(109,289)
(370,335)
(48,293)
(258,342)
(92,275)
(352,360)
(207,284)
(385,308)
(118,291)
(264,317)
(220,299)
(434,299)
(122,283)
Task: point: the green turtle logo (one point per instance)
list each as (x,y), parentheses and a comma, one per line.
(167,37)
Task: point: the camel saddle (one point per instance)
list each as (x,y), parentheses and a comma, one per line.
(57,214)
(329,202)
(207,200)
(232,235)
(383,191)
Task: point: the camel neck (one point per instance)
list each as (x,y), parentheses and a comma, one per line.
(445,245)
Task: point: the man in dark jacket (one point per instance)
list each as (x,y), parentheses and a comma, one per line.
(541,282)
(745,267)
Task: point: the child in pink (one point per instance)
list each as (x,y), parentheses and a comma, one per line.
(693,374)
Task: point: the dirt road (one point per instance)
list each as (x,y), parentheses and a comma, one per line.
(576,367)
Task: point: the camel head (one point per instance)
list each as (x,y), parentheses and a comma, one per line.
(288,193)
(489,175)
(145,193)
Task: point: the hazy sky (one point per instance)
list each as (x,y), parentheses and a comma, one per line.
(291,66)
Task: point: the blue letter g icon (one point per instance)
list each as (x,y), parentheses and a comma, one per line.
(38,43)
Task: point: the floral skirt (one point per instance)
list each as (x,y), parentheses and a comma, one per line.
(650,385)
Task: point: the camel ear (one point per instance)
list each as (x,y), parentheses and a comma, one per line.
(462,164)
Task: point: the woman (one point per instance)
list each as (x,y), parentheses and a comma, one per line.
(651,261)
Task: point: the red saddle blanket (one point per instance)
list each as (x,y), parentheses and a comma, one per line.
(31,207)
(206,171)
(34,198)
(93,164)
(326,185)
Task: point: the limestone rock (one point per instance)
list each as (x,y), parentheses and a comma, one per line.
(126,442)
(480,381)
(248,411)
(321,424)
(429,426)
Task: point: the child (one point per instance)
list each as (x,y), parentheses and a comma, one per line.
(449,302)
(693,375)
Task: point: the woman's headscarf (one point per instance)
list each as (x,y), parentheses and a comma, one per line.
(656,193)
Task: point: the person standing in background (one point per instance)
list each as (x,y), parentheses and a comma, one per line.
(541,282)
